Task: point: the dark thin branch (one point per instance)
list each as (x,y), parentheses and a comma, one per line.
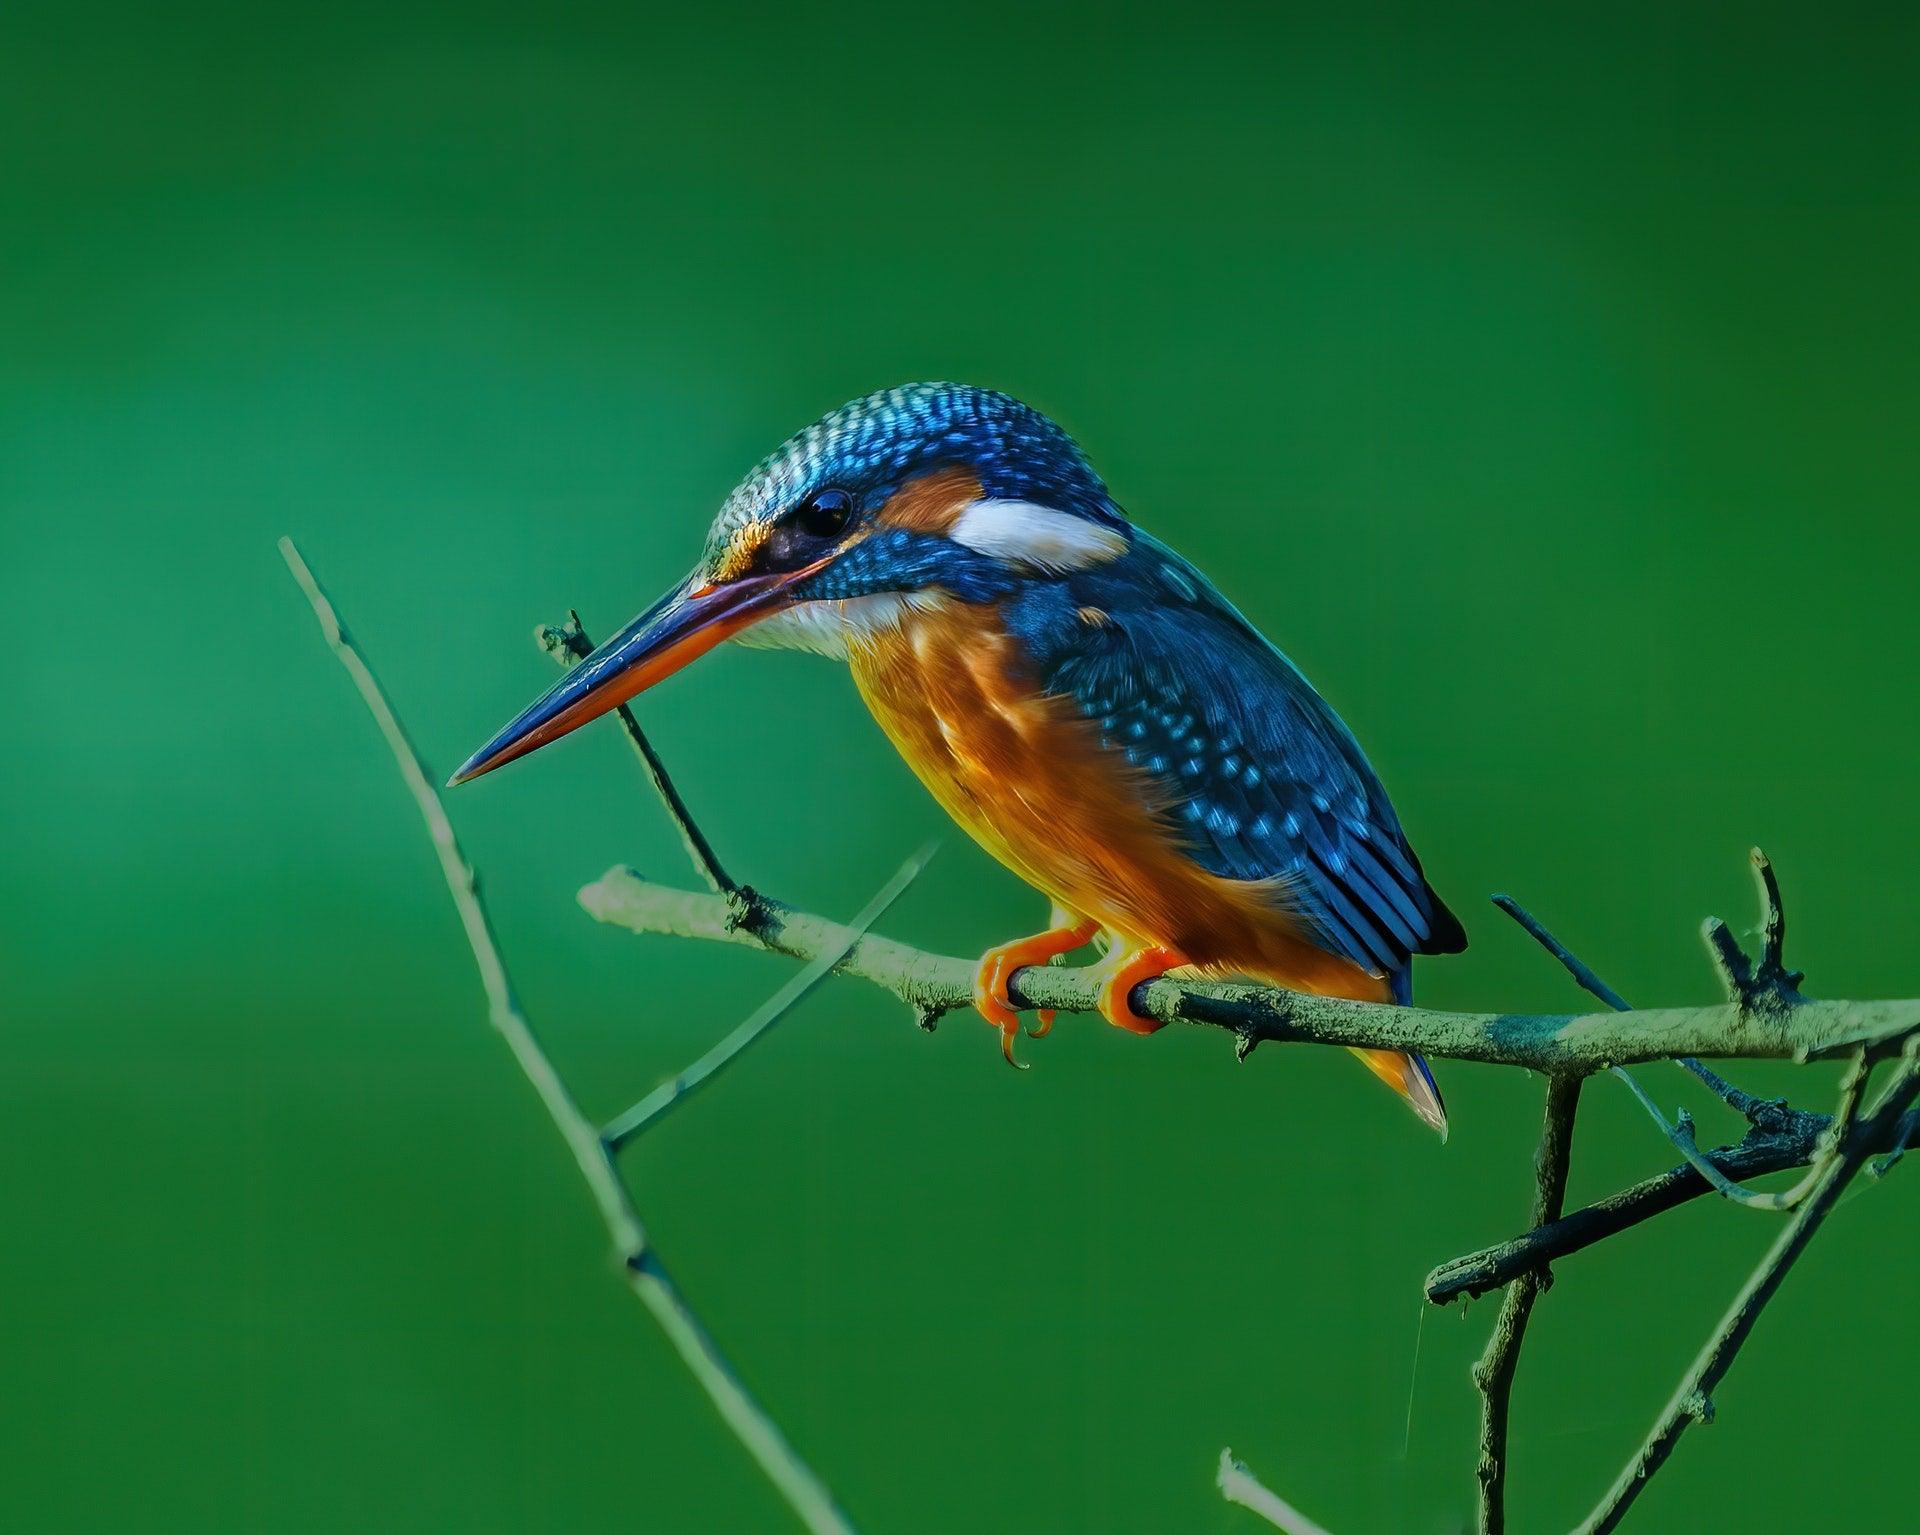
(804,1492)
(1762,1152)
(568,644)
(1692,1400)
(1494,1372)
(1574,966)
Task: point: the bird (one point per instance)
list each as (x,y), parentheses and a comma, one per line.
(1077,696)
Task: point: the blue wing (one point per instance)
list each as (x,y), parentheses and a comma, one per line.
(1265,781)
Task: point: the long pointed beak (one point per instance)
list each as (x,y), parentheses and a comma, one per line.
(686,623)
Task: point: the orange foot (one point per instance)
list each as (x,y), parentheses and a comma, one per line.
(997,966)
(1117,989)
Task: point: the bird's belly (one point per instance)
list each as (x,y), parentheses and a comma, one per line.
(1027,777)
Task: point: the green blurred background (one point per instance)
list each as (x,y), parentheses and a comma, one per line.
(1546,385)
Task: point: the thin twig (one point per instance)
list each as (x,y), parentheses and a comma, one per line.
(677,1089)
(568,644)
(796,1482)
(1556,1044)
(1692,1400)
(1743,1103)
(1680,1133)
(1494,1372)
(1239,1485)
(1576,967)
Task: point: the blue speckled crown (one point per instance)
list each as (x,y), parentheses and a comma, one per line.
(874,444)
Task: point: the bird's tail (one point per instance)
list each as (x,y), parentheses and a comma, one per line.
(1409,1076)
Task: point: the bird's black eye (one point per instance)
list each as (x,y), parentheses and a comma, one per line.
(824,514)
(808,531)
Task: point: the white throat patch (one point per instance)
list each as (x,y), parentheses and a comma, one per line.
(827,628)
(1027,533)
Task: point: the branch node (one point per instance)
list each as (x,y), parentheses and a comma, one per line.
(745,908)
(1244,1044)
(927,1015)
(1764,985)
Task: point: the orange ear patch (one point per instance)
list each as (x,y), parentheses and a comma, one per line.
(932,503)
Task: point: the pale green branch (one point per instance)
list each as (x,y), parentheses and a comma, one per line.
(1557,1044)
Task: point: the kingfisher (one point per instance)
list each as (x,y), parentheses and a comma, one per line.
(1076,695)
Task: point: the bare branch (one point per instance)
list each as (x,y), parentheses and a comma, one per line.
(1581,972)
(650,1282)
(1556,1044)
(1494,1372)
(1239,1485)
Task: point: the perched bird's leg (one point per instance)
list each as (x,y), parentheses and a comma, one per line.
(997,966)
(1147,965)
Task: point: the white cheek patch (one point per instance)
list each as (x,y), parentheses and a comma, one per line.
(1027,533)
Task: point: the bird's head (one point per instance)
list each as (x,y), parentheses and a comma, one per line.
(927,493)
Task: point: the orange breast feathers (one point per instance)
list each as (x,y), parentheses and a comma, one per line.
(1026,775)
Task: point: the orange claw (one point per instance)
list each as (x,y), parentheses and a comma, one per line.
(1116,991)
(997,966)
